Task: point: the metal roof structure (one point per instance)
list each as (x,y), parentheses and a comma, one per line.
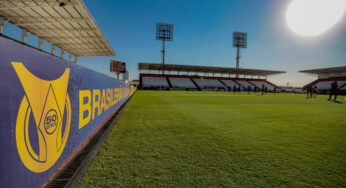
(205,69)
(66,24)
(331,70)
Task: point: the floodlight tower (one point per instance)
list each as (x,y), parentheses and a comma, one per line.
(164,32)
(239,41)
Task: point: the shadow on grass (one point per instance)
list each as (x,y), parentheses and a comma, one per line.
(338,102)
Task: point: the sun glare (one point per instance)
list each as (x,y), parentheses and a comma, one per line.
(314,17)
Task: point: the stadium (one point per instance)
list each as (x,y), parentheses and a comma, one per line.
(65,122)
(255,80)
(326,76)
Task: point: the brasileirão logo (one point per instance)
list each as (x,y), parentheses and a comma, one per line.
(44,104)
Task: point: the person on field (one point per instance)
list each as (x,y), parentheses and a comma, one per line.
(239,89)
(262,89)
(234,89)
(333,90)
(248,89)
(315,90)
(266,90)
(274,89)
(309,91)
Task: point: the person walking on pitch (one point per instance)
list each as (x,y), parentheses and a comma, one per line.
(309,91)
(315,90)
(333,90)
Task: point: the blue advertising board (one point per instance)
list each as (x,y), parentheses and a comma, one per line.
(49,109)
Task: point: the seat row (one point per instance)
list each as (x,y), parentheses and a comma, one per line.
(193,83)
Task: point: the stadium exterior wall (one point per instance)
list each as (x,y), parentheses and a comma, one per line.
(49,109)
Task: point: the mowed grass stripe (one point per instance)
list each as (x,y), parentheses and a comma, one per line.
(185,139)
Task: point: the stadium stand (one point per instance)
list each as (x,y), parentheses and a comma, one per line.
(326,76)
(152,82)
(188,82)
(245,84)
(209,83)
(230,83)
(182,83)
(259,84)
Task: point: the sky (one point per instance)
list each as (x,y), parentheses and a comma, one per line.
(203,36)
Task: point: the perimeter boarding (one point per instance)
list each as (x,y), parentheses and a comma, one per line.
(50,108)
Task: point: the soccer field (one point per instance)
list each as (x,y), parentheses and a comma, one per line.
(215,139)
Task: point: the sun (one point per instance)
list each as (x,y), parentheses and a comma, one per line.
(314,17)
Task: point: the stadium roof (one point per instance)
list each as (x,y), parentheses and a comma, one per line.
(66,24)
(331,70)
(205,69)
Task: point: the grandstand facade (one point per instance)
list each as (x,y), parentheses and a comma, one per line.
(326,76)
(203,78)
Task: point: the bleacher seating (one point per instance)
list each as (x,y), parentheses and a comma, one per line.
(154,81)
(182,83)
(266,84)
(245,84)
(326,85)
(163,82)
(202,83)
(230,83)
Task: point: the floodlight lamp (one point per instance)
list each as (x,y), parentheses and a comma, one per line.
(164,32)
(239,39)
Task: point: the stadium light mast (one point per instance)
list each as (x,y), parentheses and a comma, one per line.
(239,41)
(164,32)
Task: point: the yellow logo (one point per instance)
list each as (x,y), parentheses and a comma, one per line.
(47,101)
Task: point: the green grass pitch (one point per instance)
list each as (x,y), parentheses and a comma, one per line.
(220,139)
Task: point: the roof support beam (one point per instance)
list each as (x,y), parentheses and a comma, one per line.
(58,39)
(33,5)
(82,48)
(78,43)
(22,21)
(86,50)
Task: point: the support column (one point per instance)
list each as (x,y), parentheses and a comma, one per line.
(52,49)
(1,25)
(62,53)
(237,65)
(75,59)
(40,43)
(24,35)
(163,55)
(237,58)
